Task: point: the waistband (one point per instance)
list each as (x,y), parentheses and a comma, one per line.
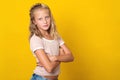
(44,77)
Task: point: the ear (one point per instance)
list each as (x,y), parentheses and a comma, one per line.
(34,22)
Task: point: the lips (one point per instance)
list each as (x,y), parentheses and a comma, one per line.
(45,25)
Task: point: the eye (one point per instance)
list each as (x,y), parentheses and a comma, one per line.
(47,17)
(39,18)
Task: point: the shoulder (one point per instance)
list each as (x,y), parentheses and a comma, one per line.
(35,38)
(60,40)
(36,43)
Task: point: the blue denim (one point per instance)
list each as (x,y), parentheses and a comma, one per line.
(37,77)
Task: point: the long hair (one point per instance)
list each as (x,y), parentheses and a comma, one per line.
(34,29)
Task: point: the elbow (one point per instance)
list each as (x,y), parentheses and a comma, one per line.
(72,59)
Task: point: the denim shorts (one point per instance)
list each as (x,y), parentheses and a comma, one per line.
(38,77)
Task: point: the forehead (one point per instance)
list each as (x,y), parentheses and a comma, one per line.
(41,12)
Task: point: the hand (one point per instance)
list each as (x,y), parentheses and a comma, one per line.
(39,64)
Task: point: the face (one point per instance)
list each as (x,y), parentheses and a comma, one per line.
(42,19)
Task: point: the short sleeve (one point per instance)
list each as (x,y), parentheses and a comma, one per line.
(60,40)
(35,43)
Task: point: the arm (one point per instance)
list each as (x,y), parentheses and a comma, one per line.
(44,60)
(65,54)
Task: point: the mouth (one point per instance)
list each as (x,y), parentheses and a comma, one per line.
(45,25)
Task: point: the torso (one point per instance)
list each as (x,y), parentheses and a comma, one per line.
(51,47)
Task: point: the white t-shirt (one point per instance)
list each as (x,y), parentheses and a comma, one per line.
(50,47)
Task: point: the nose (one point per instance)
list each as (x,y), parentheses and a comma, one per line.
(44,21)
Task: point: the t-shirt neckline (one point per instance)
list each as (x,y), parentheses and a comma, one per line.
(50,40)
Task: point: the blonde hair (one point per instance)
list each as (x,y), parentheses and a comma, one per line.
(34,29)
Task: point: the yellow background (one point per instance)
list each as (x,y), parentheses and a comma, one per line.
(91,29)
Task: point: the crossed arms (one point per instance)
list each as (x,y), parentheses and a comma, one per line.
(51,62)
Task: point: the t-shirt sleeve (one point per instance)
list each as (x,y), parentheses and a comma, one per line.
(61,41)
(35,43)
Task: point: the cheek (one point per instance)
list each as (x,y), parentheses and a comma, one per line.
(35,22)
(49,21)
(38,23)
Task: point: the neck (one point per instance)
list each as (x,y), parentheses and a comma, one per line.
(46,34)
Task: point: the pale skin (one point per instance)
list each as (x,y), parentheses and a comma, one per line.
(42,20)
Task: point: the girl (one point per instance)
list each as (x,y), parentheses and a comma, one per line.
(47,46)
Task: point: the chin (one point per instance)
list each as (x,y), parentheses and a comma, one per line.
(46,29)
